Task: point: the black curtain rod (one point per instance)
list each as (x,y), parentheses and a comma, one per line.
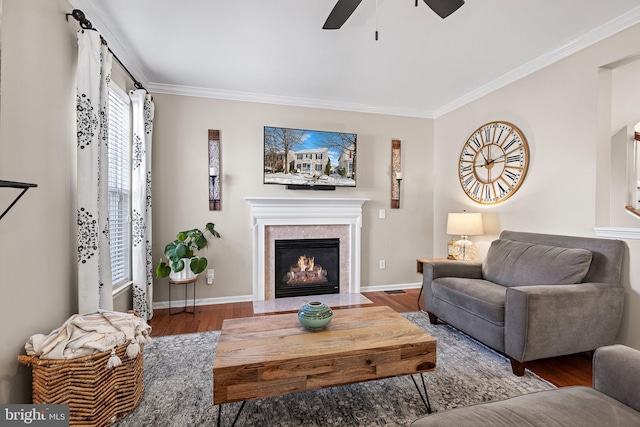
(79,16)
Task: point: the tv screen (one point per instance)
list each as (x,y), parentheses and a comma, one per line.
(298,157)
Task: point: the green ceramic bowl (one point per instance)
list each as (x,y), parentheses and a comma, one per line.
(315,315)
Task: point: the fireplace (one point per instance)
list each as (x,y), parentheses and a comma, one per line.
(274,218)
(307,267)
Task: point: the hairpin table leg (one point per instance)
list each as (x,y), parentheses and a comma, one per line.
(235,420)
(425,398)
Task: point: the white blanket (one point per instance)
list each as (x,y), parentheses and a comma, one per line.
(86,334)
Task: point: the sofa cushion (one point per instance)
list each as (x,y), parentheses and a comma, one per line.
(512,263)
(480,297)
(567,406)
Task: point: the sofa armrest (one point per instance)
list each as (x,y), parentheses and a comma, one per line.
(616,373)
(554,320)
(433,270)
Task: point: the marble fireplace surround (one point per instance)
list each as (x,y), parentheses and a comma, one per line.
(305,217)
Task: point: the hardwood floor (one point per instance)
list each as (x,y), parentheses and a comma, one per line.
(560,371)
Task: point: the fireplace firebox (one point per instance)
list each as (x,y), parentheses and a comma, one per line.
(307,267)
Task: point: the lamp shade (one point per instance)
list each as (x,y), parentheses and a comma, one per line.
(465,224)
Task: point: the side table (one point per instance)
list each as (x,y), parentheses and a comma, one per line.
(423,260)
(186,283)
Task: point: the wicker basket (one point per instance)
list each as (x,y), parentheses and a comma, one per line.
(96,396)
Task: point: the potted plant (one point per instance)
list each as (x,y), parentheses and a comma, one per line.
(181,252)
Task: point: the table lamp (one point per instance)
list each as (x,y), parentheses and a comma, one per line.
(464,224)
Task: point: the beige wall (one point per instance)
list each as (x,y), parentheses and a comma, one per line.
(37,144)
(180,193)
(558,109)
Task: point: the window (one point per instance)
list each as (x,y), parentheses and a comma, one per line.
(119,185)
(633,174)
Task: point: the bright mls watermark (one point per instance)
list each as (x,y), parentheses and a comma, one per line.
(34,415)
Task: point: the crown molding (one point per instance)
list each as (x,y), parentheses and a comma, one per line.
(583,41)
(622,22)
(285,100)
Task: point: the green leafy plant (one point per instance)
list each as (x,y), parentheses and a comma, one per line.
(186,244)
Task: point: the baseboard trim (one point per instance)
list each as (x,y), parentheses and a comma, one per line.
(203,301)
(382,288)
(249,298)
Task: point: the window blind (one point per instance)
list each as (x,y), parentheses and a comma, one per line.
(119,186)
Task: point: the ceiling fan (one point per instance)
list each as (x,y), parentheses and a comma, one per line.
(344,8)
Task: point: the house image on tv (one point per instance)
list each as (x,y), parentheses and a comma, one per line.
(346,161)
(312,160)
(274,161)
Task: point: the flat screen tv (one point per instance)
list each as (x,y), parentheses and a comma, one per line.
(309,159)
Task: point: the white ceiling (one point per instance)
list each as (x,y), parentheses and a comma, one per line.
(276,50)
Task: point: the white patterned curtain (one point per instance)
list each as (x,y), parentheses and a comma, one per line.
(94,260)
(142,114)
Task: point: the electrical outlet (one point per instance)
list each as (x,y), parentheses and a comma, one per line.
(383,264)
(210,276)
(382,214)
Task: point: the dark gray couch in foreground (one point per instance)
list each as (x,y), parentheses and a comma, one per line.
(614,400)
(534,296)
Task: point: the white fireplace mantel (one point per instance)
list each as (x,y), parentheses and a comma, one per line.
(290,211)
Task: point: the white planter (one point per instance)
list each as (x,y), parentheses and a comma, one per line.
(185,274)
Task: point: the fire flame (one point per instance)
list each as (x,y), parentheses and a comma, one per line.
(305,271)
(306,263)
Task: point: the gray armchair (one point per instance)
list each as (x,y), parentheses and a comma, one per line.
(534,296)
(614,400)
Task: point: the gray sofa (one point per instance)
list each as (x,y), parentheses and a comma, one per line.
(614,400)
(534,296)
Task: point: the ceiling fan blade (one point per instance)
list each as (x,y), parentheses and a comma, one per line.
(444,8)
(340,13)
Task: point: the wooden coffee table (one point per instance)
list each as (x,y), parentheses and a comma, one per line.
(267,356)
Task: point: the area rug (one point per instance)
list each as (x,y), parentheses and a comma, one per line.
(179,387)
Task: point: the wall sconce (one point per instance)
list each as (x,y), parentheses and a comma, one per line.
(214,204)
(398,178)
(214,170)
(396,174)
(464,224)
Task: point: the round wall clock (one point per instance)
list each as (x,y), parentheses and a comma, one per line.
(493,162)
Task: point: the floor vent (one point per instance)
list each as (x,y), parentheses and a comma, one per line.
(397,291)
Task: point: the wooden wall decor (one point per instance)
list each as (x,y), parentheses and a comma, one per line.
(396,174)
(215,173)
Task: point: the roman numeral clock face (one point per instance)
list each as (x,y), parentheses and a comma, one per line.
(493,162)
